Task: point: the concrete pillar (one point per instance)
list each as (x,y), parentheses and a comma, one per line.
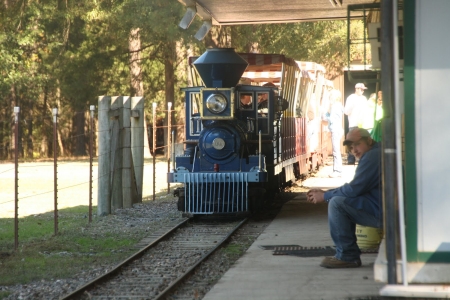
(137,143)
(116,124)
(127,172)
(104,154)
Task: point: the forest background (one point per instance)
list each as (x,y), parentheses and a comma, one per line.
(64,54)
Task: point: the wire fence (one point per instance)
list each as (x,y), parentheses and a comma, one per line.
(35,187)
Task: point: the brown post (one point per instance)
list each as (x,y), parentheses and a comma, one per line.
(16,180)
(169,129)
(91,146)
(55,157)
(154,149)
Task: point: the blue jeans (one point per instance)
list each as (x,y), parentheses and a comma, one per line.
(342,220)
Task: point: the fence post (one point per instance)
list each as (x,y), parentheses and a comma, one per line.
(154,149)
(55,157)
(169,129)
(173,151)
(116,152)
(16,179)
(91,146)
(137,143)
(127,173)
(104,157)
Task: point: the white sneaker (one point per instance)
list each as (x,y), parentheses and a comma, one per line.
(335,175)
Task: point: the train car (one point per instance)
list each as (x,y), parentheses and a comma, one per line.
(253,126)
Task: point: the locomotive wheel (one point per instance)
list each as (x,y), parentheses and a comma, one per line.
(179,192)
(256,199)
(255,204)
(180,204)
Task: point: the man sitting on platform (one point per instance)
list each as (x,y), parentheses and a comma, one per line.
(356,202)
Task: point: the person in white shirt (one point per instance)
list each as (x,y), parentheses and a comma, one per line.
(355,106)
(334,118)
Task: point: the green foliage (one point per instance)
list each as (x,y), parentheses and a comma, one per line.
(66,54)
(324,42)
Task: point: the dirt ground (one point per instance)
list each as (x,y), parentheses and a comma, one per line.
(36,185)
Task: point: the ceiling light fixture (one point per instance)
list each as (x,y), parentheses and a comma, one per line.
(204,29)
(188,17)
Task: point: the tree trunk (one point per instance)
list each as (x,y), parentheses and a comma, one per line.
(134,46)
(253,47)
(80,137)
(30,137)
(218,36)
(137,85)
(14,103)
(45,143)
(169,76)
(2,141)
(61,145)
(30,132)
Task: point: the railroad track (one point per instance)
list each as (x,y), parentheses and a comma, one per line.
(158,268)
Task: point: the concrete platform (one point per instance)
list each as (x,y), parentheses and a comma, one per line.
(259,274)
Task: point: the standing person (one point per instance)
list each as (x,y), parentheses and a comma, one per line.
(376,132)
(334,118)
(369,113)
(354,109)
(356,202)
(379,106)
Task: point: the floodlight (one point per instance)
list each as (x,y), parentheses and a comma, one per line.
(204,29)
(188,17)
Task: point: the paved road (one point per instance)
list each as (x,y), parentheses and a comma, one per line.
(36,192)
(36,184)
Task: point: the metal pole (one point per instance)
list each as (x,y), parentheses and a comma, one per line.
(173,151)
(55,157)
(259,150)
(91,146)
(16,178)
(388,137)
(169,129)
(154,149)
(398,141)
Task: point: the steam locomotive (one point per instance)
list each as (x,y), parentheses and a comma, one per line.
(248,133)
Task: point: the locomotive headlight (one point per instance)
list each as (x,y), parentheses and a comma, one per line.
(216,103)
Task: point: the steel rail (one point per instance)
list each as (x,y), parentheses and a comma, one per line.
(118,267)
(173,285)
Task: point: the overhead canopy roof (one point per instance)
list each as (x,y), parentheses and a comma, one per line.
(234,12)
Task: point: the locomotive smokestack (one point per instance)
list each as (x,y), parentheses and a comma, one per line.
(220,67)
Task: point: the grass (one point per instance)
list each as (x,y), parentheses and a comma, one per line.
(233,250)
(77,246)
